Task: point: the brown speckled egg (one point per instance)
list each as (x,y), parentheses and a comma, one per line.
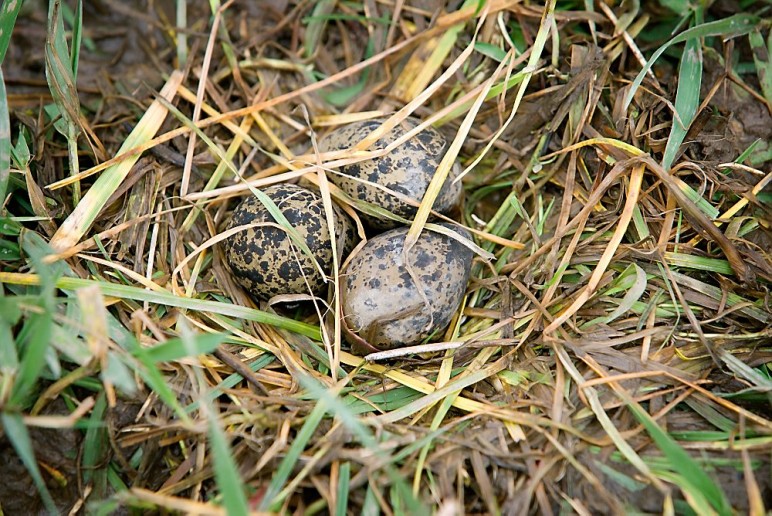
(264,259)
(407,170)
(381,302)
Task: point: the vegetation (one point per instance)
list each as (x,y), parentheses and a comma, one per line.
(612,352)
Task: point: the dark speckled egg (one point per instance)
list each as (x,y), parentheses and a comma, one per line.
(264,259)
(381,302)
(407,170)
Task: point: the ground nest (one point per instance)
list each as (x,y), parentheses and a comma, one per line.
(612,349)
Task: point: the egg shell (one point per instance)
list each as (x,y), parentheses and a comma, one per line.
(381,302)
(264,259)
(407,170)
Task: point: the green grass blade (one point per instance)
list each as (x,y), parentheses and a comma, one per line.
(683,464)
(9,358)
(697,502)
(176,349)
(59,72)
(35,338)
(761,58)
(14,429)
(284,470)
(118,373)
(343,487)
(35,342)
(713,416)
(84,214)
(495,52)
(20,153)
(153,377)
(339,409)
(5,142)
(457,385)
(230,382)
(371,507)
(677,6)
(8,14)
(96,449)
(736,25)
(702,203)
(168,299)
(687,99)
(77,37)
(382,401)
(345,95)
(700,263)
(316,25)
(637,288)
(747,373)
(226,471)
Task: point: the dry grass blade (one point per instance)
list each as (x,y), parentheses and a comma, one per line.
(61,70)
(634,188)
(597,407)
(87,210)
(199,101)
(697,217)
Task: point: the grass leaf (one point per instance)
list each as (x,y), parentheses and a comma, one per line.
(8,13)
(84,214)
(635,292)
(761,58)
(35,338)
(341,97)
(164,297)
(736,25)
(699,483)
(61,82)
(225,469)
(5,142)
(96,449)
(341,412)
(343,488)
(14,429)
(494,52)
(317,23)
(77,37)
(270,498)
(175,349)
(687,99)
(153,377)
(9,358)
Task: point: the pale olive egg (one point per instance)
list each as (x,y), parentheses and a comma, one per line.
(382,304)
(406,170)
(265,260)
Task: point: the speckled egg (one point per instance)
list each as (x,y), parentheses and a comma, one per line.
(265,260)
(407,170)
(382,305)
